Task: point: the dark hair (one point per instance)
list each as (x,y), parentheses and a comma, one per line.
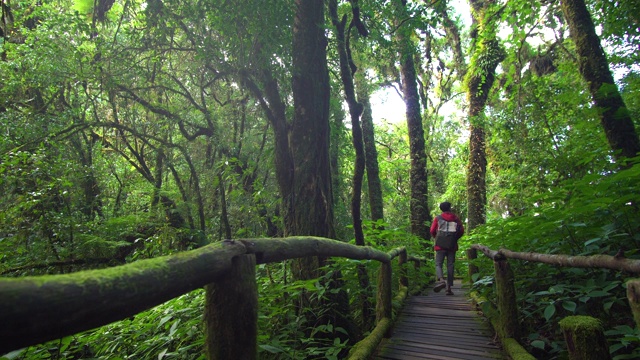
(445,206)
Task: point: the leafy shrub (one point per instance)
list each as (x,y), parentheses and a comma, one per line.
(597,214)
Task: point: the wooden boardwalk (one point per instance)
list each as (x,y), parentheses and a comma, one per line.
(437,326)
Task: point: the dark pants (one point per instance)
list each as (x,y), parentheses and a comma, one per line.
(451,258)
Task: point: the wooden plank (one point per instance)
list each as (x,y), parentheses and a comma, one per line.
(440,327)
(433,349)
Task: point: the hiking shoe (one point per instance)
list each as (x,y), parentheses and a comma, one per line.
(449,292)
(439,286)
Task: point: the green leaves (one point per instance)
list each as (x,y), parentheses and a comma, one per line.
(570,306)
(549,311)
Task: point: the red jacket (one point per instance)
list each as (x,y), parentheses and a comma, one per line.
(448,216)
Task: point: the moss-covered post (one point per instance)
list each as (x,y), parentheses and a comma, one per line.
(472,254)
(633,295)
(383,297)
(585,338)
(231,312)
(402,260)
(506,294)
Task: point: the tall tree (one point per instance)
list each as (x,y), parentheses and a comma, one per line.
(374,185)
(594,67)
(310,204)
(420,216)
(487,55)
(347,70)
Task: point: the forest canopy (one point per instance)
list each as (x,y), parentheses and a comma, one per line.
(134,129)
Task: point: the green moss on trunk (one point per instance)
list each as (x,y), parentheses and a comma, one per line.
(507,306)
(633,295)
(594,67)
(585,338)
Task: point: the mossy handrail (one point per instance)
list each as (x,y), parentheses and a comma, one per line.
(506,324)
(41,308)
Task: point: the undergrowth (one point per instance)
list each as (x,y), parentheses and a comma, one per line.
(598,214)
(174,329)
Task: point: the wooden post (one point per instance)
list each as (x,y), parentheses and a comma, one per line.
(231,312)
(383,300)
(402,260)
(472,254)
(585,338)
(506,294)
(633,295)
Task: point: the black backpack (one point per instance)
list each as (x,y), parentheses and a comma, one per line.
(447,235)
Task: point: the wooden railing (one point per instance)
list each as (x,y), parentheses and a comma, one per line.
(41,308)
(584,335)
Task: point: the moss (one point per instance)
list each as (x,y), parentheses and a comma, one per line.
(587,323)
(507,306)
(515,350)
(108,277)
(585,338)
(509,344)
(158,270)
(363,349)
(633,295)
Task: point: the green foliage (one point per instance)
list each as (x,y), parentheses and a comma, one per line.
(172,330)
(154,102)
(597,214)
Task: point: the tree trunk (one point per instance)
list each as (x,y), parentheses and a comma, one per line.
(487,55)
(92,205)
(509,326)
(311,205)
(419,207)
(585,338)
(355,110)
(476,173)
(224,216)
(310,210)
(453,37)
(376,204)
(302,147)
(614,116)
(633,296)
(231,312)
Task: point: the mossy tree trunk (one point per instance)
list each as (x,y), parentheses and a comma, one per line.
(231,312)
(310,210)
(309,202)
(308,199)
(633,295)
(374,185)
(347,69)
(420,217)
(506,297)
(594,67)
(355,110)
(487,55)
(585,338)
(453,36)
(472,254)
(302,157)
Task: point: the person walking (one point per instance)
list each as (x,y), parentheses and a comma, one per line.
(446,229)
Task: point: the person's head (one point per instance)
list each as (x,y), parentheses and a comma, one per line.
(445,206)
